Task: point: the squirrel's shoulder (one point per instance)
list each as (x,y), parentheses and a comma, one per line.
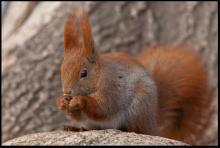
(120,58)
(115,55)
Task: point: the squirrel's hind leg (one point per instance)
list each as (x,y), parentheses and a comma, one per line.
(73,128)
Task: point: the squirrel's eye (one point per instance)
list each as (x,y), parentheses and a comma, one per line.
(83,73)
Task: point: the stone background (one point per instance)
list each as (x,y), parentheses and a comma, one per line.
(95,137)
(32,51)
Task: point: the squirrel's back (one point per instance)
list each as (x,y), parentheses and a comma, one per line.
(183,91)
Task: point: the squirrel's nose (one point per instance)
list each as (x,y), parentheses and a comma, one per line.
(67,90)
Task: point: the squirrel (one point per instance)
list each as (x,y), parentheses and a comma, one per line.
(162,91)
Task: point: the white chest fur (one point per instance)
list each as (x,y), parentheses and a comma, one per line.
(113,123)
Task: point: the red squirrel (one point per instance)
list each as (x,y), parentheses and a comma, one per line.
(162,91)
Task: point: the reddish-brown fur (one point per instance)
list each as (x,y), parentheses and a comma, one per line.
(72,33)
(184,94)
(62,104)
(180,76)
(73,62)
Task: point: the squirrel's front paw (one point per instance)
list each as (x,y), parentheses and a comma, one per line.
(76,103)
(62,103)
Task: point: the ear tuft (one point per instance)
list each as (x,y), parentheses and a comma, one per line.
(89,48)
(72,32)
(92,58)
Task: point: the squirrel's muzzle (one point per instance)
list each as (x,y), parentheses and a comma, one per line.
(67,90)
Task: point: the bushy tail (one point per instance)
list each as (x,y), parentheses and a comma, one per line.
(184,94)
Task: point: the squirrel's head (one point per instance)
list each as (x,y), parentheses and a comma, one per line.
(81,68)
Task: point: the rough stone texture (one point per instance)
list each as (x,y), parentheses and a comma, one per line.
(31,70)
(14,19)
(101,137)
(41,15)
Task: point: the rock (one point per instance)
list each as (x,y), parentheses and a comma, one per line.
(14,17)
(96,137)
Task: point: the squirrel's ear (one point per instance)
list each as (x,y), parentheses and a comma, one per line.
(72,32)
(89,48)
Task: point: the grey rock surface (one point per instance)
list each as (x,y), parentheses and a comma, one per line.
(96,137)
(31,70)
